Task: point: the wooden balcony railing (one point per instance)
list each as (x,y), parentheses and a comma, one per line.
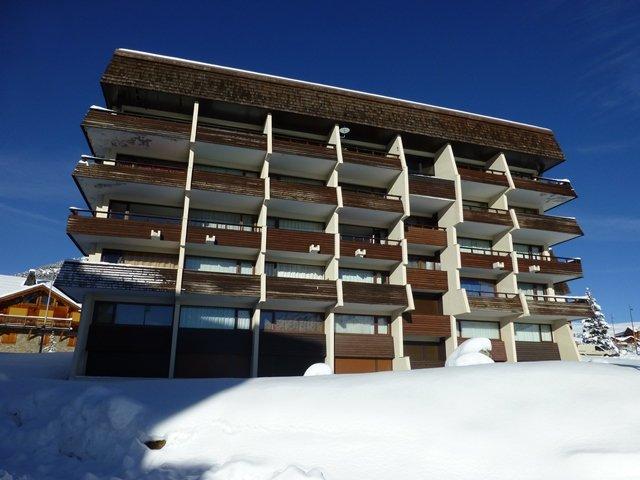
(303,192)
(417,234)
(375,248)
(431,187)
(558,306)
(509,302)
(299,241)
(127,172)
(231,136)
(545,185)
(355,345)
(484,258)
(372,158)
(303,146)
(27,322)
(473,213)
(431,325)
(137,123)
(226,234)
(474,173)
(537,351)
(427,280)
(550,264)
(227,183)
(374,293)
(301,289)
(548,222)
(352,197)
(223,284)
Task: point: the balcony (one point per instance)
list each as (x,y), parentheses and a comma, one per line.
(240,147)
(545,193)
(376,166)
(361,206)
(300,293)
(227,287)
(545,229)
(297,198)
(356,251)
(478,174)
(227,191)
(99,178)
(429,195)
(294,244)
(373,297)
(558,307)
(204,236)
(302,156)
(492,305)
(425,280)
(428,325)
(77,278)
(87,227)
(369,157)
(548,268)
(479,220)
(481,259)
(425,240)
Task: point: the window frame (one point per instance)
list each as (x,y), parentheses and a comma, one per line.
(235,313)
(115,309)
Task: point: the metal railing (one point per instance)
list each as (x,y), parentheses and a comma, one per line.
(556,299)
(479,168)
(484,251)
(369,240)
(535,178)
(407,226)
(546,258)
(136,164)
(484,294)
(372,193)
(301,140)
(478,208)
(367,151)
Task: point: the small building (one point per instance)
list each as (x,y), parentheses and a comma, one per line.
(36,317)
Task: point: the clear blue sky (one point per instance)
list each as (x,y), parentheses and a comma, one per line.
(571,66)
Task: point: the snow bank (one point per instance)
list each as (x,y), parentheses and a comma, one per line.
(318,369)
(470,352)
(492,421)
(35,365)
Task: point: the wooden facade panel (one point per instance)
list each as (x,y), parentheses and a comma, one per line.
(429,280)
(304,147)
(498,217)
(537,351)
(478,260)
(420,364)
(425,236)
(374,250)
(370,158)
(303,192)
(132,174)
(233,138)
(293,344)
(482,176)
(211,283)
(552,266)
(227,183)
(301,289)
(137,123)
(498,349)
(352,345)
(550,223)
(431,187)
(559,309)
(370,201)
(512,305)
(298,241)
(431,325)
(373,293)
(225,237)
(346,365)
(551,187)
(114,227)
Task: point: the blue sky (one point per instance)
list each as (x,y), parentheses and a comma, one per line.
(572,66)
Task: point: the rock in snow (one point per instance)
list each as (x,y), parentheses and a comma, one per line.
(498,422)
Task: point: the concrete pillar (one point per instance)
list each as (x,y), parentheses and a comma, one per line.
(79,361)
(508,336)
(563,336)
(255,345)
(329,330)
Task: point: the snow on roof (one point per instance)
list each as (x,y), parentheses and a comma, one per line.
(346,90)
(11,284)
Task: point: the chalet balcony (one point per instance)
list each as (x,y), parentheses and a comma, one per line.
(298,198)
(300,293)
(424,280)
(476,260)
(77,278)
(492,305)
(206,237)
(357,251)
(428,325)
(484,221)
(545,229)
(378,167)
(228,288)
(159,183)
(227,191)
(429,195)
(285,244)
(425,240)
(548,268)
(544,192)
(373,297)
(86,227)
(372,208)
(558,307)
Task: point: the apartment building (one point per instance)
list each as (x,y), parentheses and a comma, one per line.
(241,224)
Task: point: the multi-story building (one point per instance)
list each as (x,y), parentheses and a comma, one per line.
(241,224)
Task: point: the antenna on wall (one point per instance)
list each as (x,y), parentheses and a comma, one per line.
(343,131)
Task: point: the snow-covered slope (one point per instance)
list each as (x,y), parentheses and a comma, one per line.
(480,422)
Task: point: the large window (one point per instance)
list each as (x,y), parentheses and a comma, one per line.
(533,332)
(363,276)
(292,270)
(219,265)
(477,286)
(362,324)
(523,249)
(424,263)
(291,322)
(531,289)
(226,220)
(474,245)
(291,224)
(474,329)
(144,212)
(219,318)
(114,313)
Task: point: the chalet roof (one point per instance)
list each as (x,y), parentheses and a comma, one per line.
(11,285)
(146,72)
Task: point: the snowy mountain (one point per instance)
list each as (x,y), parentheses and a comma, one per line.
(46,272)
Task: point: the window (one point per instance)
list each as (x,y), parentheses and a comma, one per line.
(291,224)
(291,270)
(292,322)
(531,289)
(112,313)
(226,220)
(363,276)
(421,221)
(229,171)
(477,286)
(471,245)
(533,211)
(362,324)
(425,263)
(474,329)
(419,165)
(360,233)
(523,250)
(217,318)
(533,332)
(144,212)
(219,265)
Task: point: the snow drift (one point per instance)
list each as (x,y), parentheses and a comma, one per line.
(470,352)
(488,421)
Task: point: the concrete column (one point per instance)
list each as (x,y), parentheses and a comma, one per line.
(79,361)
(563,336)
(508,336)
(255,345)
(329,330)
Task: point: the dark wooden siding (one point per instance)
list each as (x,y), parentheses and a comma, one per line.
(211,283)
(374,250)
(498,349)
(495,303)
(227,183)
(133,174)
(225,237)
(432,325)
(429,280)
(548,222)
(371,201)
(230,137)
(554,188)
(371,158)
(483,176)
(352,345)
(373,293)
(289,354)
(113,227)
(478,260)
(304,147)
(550,265)
(498,217)
(303,192)
(301,289)
(537,351)
(295,241)
(425,236)
(431,187)
(559,309)
(137,123)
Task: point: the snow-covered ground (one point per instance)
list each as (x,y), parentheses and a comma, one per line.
(548,420)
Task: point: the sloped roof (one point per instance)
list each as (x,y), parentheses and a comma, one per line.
(11,285)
